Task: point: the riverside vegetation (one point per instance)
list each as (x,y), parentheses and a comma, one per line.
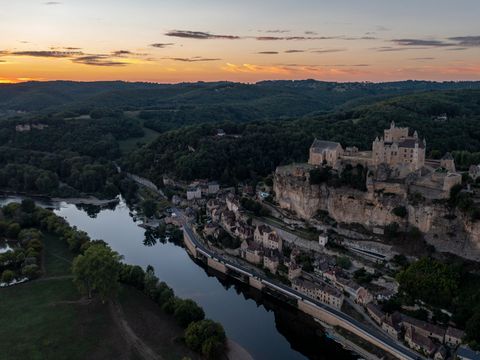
(44,246)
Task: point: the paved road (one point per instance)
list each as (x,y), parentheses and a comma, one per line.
(365,329)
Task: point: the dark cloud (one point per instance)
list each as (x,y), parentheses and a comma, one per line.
(292,51)
(308,32)
(72,48)
(422,58)
(161,45)
(381,28)
(326,51)
(276,31)
(47,53)
(122,52)
(52,3)
(391,48)
(456,49)
(293,38)
(421,42)
(268,52)
(200,35)
(192,59)
(469,41)
(98,60)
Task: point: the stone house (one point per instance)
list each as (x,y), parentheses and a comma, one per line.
(364,296)
(271,262)
(424,328)
(261,232)
(244,231)
(419,342)
(294,270)
(441,353)
(194,193)
(392,324)
(447,162)
(474,172)
(232,203)
(213,187)
(273,241)
(453,336)
(319,291)
(375,313)
(252,252)
(325,152)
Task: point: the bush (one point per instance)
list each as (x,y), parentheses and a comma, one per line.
(344,262)
(206,337)
(8,276)
(187,311)
(31,271)
(13,230)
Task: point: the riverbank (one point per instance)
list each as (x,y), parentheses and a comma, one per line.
(86,200)
(48,318)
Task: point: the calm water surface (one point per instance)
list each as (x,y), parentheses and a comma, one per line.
(266,327)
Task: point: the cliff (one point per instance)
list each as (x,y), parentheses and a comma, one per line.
(374,209)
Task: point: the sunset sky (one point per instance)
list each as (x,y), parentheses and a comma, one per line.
(191,40)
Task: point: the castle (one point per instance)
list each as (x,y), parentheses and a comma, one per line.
(396,155)
(396,148)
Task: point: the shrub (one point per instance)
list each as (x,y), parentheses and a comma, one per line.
(8,276)
(206,337)
(187,311)
(31,271)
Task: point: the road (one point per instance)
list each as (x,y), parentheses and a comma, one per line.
(366,330)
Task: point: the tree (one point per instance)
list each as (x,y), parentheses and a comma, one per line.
(97,270)
(473,330)
(149,207)
(187,311)
(8,276)
(28,205)
(344,262)
(206,337)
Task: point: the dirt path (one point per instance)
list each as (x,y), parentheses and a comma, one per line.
(129,335)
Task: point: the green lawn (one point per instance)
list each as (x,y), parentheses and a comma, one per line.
(131,144)
(41,319)
(58,258)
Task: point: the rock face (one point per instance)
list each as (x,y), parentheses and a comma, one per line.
(446,231)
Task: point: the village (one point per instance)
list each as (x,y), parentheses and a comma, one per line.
(250,226)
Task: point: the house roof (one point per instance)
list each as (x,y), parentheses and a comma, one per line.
(467,353)
(447,156)
(455,333)
(375,310)
(434,329)
(264,229)
(321,145)
(420,340)
(410,143)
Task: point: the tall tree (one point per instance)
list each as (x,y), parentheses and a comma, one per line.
(97,270)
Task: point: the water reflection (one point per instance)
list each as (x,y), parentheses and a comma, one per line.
(266,327)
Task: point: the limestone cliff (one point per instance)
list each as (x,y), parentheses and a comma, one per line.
(447,232)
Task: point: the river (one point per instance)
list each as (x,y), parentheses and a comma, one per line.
(266,327)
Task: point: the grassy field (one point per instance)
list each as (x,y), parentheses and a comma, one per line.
(131,144)
(47,319)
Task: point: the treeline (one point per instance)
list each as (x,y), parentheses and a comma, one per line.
(253,150)
(98,270)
